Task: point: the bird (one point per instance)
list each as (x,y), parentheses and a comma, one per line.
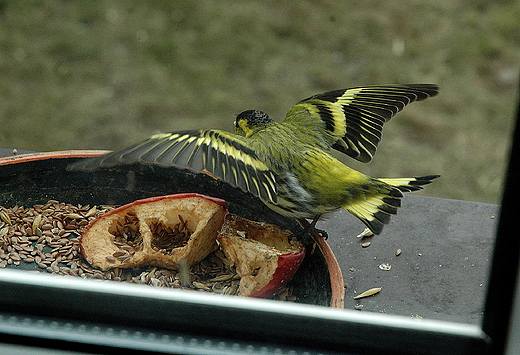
(289,165)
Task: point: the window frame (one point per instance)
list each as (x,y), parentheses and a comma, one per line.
(72,305)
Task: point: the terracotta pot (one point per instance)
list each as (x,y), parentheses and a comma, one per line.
(34,178)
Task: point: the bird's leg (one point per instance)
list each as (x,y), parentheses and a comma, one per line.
(308,232)
(312,227)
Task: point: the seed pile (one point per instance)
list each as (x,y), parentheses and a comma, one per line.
(45,237)
(126,237)
(165,238)
(126,231)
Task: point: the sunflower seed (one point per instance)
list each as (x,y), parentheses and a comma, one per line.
(201,285)
(222,278)
(366,233)
(231,290)
(36,224)
(5,217)
(368,293)
(91,212)
(3,231)
(73,215)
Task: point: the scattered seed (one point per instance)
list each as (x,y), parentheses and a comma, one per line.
(231,290)
(365,244)
(385,266)
(73,215)
(398,252)
(155,282)
(368,293)
(92,212)
(36,224)
(366,233)
(201,285)
(128,248)
(46,227)
(5,217)
(222,278)
(125,260)
(119,254)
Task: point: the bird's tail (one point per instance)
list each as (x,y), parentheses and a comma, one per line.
(377,206)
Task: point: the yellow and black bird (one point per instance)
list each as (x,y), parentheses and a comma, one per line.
(289,165)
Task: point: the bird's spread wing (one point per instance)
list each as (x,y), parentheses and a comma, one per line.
(218,153)
(353,118)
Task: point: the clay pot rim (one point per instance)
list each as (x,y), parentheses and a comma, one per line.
(60,154)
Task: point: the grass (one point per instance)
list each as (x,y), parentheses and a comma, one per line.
(103,74)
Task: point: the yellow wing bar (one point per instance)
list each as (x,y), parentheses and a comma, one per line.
(218,153)
(354,118)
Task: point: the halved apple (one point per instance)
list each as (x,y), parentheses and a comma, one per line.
(167,230)
(160,231)
(265,255)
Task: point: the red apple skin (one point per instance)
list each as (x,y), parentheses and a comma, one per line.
(288,264)
(158,198)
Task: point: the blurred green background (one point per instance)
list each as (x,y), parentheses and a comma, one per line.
(104,74)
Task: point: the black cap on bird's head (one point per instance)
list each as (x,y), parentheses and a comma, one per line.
(253,118)
(249,121)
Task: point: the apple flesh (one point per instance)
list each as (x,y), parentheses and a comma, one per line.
(265,256)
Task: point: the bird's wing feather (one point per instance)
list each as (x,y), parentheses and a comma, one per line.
(353,118)
(221,154)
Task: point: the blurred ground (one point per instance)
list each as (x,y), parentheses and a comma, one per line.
(103,74)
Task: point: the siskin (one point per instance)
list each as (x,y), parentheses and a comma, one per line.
(289,165)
